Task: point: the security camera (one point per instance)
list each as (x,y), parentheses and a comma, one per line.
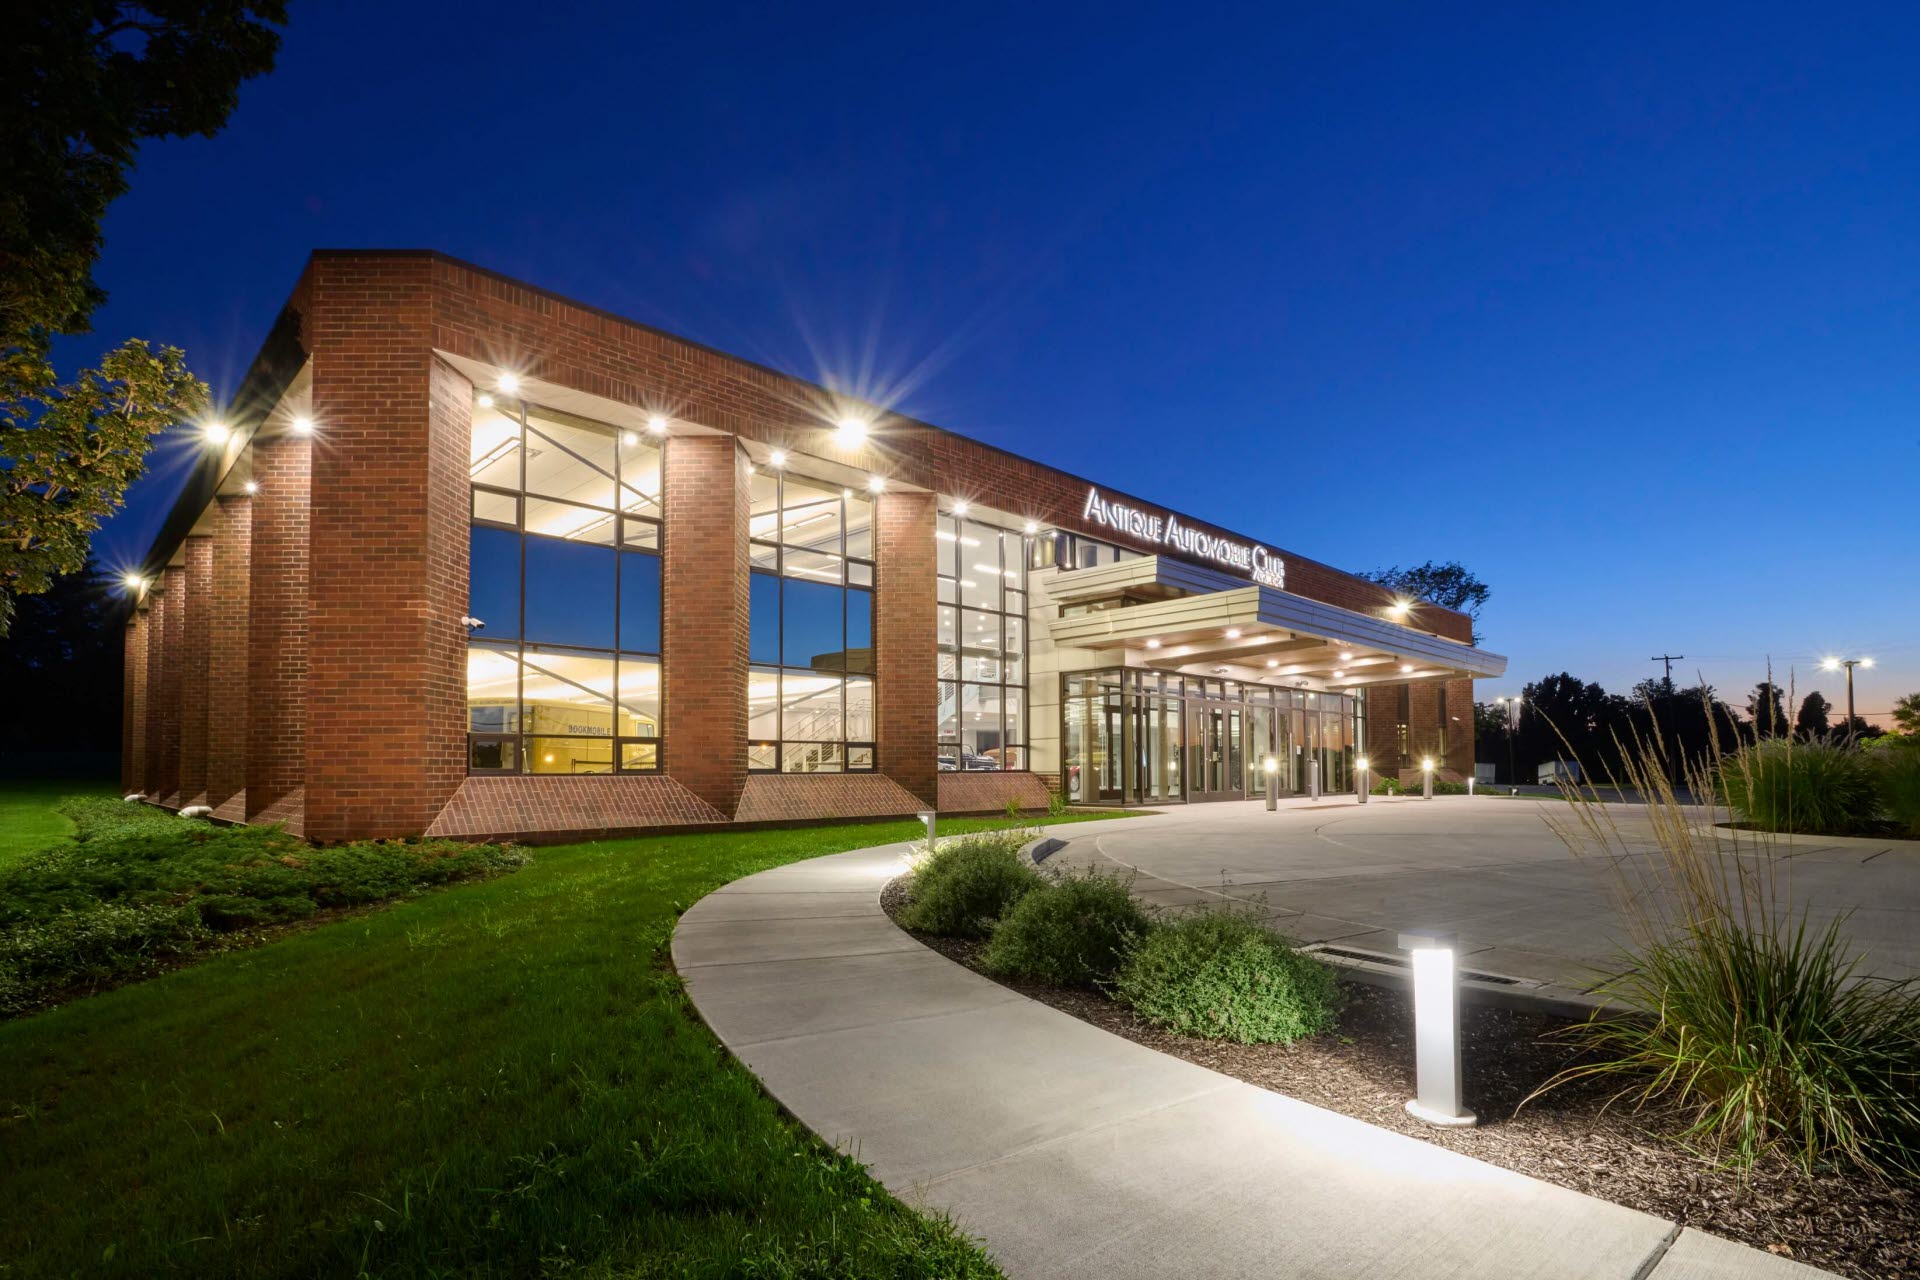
(473,624)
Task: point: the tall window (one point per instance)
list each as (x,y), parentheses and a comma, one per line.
(983,646)
(563,601)
(810,686)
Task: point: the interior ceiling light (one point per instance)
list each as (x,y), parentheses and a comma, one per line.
(1153,644)
(1346,657)
(1233,633)
(486,401)
(1406,668)
(629,437)
(1273,662)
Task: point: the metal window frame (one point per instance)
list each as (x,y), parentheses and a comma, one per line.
(1009,741)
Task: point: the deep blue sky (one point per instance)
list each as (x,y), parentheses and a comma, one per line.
(1616,306)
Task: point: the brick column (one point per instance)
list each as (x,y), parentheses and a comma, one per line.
(172,683)
(228,658)
(152,721)
(1460,728)
(195,650)
(704,589)
(133,705)
(905,642)
(277,630)
(387,649)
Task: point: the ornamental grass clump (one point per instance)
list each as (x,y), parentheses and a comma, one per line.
(1225,975)
(1897,770)
(1807,788)
(1073,931)
(1742,1028)
(966,884)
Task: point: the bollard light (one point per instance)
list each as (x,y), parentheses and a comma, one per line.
(1436,1031)
(1313,777)
(927,818)
(1426,777)
(1272,768)
(1360,774)
(1470,782)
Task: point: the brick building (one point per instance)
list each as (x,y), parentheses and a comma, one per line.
(471,559)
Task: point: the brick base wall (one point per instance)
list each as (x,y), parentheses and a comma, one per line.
(530,807)
(989,792)
(800,797)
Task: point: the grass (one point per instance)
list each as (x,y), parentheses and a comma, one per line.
(503,1078)
(28,822)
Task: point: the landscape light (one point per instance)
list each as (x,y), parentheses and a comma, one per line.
(657,424)
(216,433)
(303,425)
(1272,767)
(927,817)
(1426,777)
(509,383)
(852,432)
(1436,1031)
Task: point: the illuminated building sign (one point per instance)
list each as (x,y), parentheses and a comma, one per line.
(1252,559)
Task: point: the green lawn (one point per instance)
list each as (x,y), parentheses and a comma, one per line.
(27,819)
(497,1079)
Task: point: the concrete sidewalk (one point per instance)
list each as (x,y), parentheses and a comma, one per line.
(1072,1152)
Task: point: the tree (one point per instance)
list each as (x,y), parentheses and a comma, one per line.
(1857,728)
(1766,707)
(1448,585)
(1812,721)
(1563,717)
(85,85)
(1906,713)
(69,453)
(62,673)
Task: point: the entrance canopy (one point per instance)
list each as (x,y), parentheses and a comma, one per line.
(1169,615)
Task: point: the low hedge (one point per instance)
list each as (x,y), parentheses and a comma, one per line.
(137,888)
(1807,788)
(966,884)
(1227,976)
(1897,767)
(1073,932)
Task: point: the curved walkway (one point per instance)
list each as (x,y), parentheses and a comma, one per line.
(1072,1152)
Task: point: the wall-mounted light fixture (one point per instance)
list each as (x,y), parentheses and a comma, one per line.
(1436,1030)
(303,425)
(852,432)
(657,423)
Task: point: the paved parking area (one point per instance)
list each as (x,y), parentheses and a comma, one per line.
(1489,869)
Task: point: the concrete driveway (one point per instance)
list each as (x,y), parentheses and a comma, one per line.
(1489,869)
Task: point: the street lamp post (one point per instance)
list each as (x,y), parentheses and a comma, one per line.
(1834,664)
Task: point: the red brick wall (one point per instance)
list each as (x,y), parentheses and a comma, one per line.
(154,704)
(906,640)
(277,624)
(228,655)
(704,618)
(388,568)
(989,792)
(133,705)
(569,807)
(195,654)
(802,797)
(173,662)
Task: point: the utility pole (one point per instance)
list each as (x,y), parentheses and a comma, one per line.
(1669,659)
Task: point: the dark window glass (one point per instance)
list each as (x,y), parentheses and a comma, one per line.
(493,592)
(570,593)
(811,629)
(764,620)
(859,630)
(639,602)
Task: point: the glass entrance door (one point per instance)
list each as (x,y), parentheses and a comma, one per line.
(1216,750)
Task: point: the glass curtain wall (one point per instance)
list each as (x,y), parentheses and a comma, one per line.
(810,688)
(563,601)
(982,645)
(1140,737)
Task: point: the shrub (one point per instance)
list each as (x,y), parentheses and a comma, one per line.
(1811,788)
(1752,1030)
(137,887)
(967,883)
(1897,765)
(1226,976)
(1073,931)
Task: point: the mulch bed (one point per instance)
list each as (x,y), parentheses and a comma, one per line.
(1840,1220)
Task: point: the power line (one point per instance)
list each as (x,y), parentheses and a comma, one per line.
(1669,659)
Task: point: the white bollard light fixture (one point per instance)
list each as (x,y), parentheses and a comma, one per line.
(1426,777)
(1436,1031)
(927,818)
(1360,778)
(1271,766)
(1313,777)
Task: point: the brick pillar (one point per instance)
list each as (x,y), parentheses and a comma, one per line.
(195,650)
(228,658)
(905,642)
(133,705)
(1460,728)
(152,720)
(173,653)
(277,630)
(387,648)
(704,589)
